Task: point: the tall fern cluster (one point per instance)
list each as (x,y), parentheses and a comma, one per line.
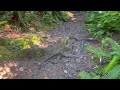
(110,70)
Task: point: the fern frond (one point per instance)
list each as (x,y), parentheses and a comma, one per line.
(85,75)
(98,51)
(95,76)
(114,45)
(115,52)
(112,63)
(114,73)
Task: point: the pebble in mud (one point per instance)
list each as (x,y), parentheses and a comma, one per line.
(21,69)
(65,71)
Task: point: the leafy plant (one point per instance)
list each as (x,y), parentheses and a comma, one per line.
(27,19)
(55,16)
(114,73)
(85,75)
(113,56)
(12,48)
(101,23)
(4,53)
(23,42)
(101,54)
(3,22)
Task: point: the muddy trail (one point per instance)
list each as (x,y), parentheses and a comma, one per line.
(65,56)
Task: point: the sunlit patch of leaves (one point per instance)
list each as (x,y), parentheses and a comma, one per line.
(10,48)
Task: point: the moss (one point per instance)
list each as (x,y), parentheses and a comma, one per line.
(11,49)
(27,41)
(43,25)
(64,41)
(66,48)
(4,53)
(3,41)
(32,53)
(22,42)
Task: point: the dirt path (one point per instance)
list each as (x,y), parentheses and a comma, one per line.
(64,64)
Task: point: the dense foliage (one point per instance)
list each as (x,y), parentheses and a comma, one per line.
(112,57)
(36,19)
(25,21)
(10,48)
(107,58)
(101,23)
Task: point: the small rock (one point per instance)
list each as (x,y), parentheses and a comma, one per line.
(35,62)
(29,71)
(1,76)
(65,71)
(21,69)
(16,64)
(70,75)
(73,19)
(46,78)
(67,64)
(39,63)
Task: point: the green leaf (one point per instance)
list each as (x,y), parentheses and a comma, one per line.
(84,75)
(112,63)
(114,73)
(3,22)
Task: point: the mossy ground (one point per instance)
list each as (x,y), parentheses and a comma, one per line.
(11,49)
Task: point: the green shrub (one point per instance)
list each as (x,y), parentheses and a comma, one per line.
(114,73)
(110,70)
(4,53)
(101,23)
(23,42)
(32,53)
(26,19)
(55,16)
(5,15)
(11,48)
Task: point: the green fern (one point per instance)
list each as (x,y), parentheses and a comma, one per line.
(114,73)
(112,69)
(85,75)
(114,45)
(98,51)
(112,63)
(104,54)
